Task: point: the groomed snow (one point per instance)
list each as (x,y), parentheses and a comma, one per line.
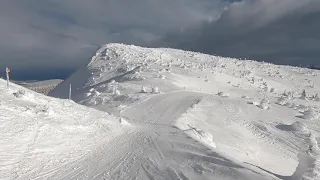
(48,138)
(197,116)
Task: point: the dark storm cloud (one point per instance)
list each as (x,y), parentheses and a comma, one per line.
(282,32)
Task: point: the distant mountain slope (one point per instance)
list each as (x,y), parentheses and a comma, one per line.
(46,138)
(43,87)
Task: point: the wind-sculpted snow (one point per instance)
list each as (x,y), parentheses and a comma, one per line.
(197,116)
(42,136)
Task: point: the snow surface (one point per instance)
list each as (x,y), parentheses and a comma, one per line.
(48,138)
(210,118)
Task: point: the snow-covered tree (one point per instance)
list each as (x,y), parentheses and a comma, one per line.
(303,95)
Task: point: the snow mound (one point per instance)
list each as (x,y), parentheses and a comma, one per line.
(282,101)
(294,127)
(310,114)
(203,136)
(223,94)
(51,132)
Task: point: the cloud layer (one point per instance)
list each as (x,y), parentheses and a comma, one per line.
(36,36)
(282,32)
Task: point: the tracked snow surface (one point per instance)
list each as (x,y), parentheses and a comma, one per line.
(196,116)
(47,138)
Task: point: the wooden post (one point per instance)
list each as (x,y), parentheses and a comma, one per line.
(70,92)
(8,76)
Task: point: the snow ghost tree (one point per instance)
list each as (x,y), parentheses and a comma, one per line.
(290,94)
(303,95)
(116,91)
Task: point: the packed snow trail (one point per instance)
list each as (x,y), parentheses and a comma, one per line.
(158,150)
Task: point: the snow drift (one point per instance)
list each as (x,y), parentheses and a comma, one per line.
(42,136)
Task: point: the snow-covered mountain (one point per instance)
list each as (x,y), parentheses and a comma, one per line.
(48,138)
(198,116)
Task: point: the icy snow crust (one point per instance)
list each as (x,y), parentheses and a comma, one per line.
(47,138)
(197,116)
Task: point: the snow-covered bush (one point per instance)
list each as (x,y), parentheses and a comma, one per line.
(223,94)
(272,90)
(316,97)
(290,94)
(95,92)
(143,89)
(282,101)
(43,109)
(155,90)
(245,97)
(162,76)
(310,114)
(302,108)
(116,91)
(303,95)
(20,93)
(264,104)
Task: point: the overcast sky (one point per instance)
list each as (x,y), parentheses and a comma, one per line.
(51,38)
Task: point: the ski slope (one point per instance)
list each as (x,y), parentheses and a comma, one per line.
(196,116)
(48,138)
